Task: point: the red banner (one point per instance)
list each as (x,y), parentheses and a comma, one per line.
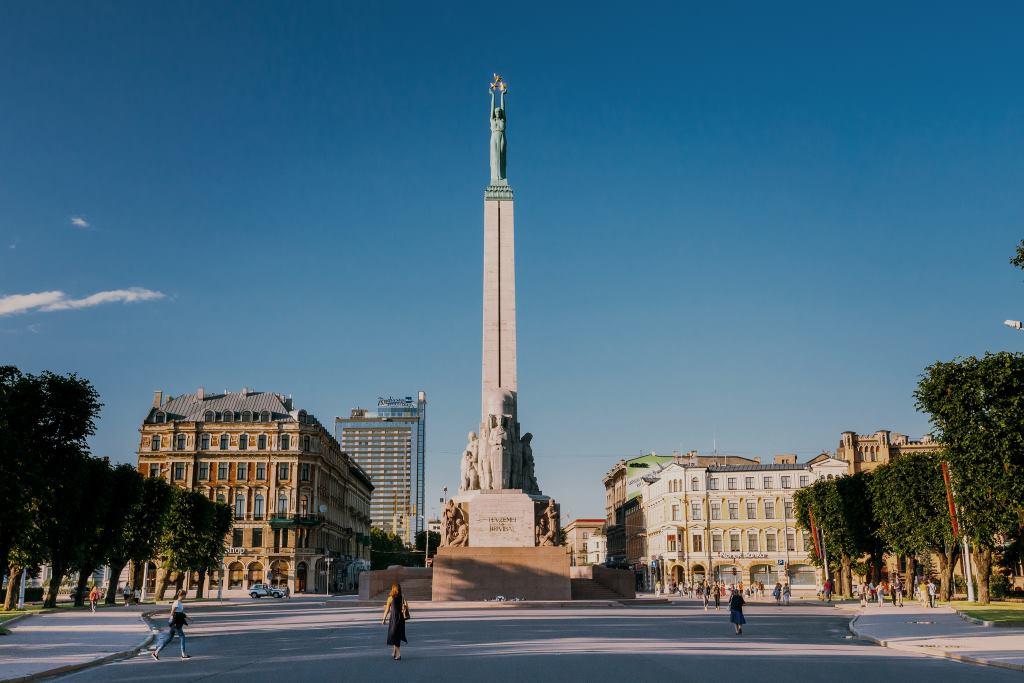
(814,533)
(949,499)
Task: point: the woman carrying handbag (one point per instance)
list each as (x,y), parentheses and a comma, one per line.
(396,613)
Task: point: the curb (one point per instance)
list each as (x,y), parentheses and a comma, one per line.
(131,652)
(932,653)
(981,622)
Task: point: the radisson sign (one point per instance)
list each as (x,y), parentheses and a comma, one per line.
(406,402)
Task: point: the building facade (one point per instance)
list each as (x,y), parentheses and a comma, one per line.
(623,489)
(730,523)
(390,446)
(581,537)
(301,506)
(865,452)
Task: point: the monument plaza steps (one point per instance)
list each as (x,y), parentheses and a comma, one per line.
(483,573)
(588,589)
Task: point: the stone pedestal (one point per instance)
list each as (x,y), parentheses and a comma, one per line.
(504,518)
(476,573)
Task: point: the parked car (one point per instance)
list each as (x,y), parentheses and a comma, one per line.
(262,590)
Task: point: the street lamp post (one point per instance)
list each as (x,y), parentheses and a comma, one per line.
(329,558)
(223,577)
(21,589)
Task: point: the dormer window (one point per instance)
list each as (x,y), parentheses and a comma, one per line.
(265,416)
(227,416)
(302,417)
(208,416)
(246,416)
(160,418)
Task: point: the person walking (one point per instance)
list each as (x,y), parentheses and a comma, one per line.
(137,596)
(787,593)
(827,590)
(932,589)
(777,593)
(177,623)
(881,593)
(94,596)
(897,592)
(736,603)
(705,593)
(396,613)
(126,593)
(718,596)
(863,594)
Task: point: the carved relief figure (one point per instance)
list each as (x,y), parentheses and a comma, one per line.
(499,451)
(456,526)
(470,479)
(526,453)
(547,529)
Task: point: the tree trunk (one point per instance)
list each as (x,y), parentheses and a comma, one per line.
(115,574)
(847,576)
(947,568)
(80,588)
(161,584)
(983,568)
(13,583)
(201,584)
(53,589)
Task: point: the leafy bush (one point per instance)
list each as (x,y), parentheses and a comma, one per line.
(998,586)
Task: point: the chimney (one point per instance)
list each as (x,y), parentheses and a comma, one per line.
(757,459)
(200,394)
(245,391)
(158,398)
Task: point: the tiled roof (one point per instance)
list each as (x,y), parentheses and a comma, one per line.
(771,467)
(188,407)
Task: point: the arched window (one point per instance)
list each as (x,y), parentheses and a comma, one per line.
(243,442)
(239,506)
(255,573)
(261,442)
(208,416)
(286,442)
(282,502)
(227,416)
(265,416)
(235,574)
(179,442)
(257,506)
(160,418)
(204,442)
(223,442)
(246,416)
(154,443)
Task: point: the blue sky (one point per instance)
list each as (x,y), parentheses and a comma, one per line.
(755,225)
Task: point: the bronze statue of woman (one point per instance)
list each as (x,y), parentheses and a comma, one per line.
(498,134)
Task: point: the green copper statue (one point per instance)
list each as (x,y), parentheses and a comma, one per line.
(498,176)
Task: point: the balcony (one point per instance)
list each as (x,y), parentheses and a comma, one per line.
(281,520)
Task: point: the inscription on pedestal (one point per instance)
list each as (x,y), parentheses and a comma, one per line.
(501,520)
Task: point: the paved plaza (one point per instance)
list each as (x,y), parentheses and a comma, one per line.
(304,640)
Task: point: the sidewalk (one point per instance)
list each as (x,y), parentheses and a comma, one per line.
(940,631)
(66,639)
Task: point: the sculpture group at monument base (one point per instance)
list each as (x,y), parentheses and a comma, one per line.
(484,573)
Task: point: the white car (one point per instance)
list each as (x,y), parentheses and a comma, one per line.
(261,590)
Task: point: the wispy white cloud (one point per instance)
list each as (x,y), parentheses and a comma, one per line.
(58,301)
(80,222)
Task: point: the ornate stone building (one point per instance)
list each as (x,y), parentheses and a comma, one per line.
(301,505)
(730,523)
(583,540)
(865,452)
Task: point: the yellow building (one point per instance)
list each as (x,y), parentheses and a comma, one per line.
(301,506)
(731,523)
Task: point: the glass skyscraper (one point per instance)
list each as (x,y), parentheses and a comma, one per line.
(390,446)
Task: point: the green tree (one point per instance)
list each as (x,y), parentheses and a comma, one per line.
(421,541)
(126,492)
(92,532)
(977,408)
(912,512)
(1018,258)
(218,522)
(843,514)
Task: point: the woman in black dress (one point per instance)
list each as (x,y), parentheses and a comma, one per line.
(395,614)
(736,603)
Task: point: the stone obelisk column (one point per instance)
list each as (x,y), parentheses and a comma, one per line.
(499,333)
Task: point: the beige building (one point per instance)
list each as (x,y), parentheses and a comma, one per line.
(865,452)
(582,537)
(301,505)
(730,523)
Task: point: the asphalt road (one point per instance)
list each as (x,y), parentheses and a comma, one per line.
(304,641)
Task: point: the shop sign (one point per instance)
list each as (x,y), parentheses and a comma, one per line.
(743,556)
(234,551)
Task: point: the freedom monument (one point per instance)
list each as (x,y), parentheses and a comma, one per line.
(500,534)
